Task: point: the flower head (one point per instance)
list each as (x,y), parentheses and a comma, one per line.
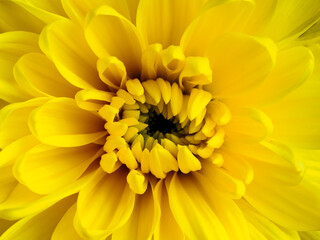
(159,119)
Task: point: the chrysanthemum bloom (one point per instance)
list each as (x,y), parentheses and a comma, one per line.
(159,119)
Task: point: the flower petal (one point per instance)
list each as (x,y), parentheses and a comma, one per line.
(192,210)
(293,67)
(39,226)
(215,20)
(22,202)
(266,227)
(35,73)
(167,228)
(45,169)
(125,44)
(248,125)
(77,10)
(300,108)
(57,123)
(65,229)
(157,23)
(12,46)
(144,217)
(21,20)
(293,207)
(239,62)
(298,18)
(73,59)
(111,209)
(14,120)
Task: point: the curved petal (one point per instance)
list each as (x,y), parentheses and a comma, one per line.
(35,73)
(142,222)
(164,21)
(102,208)
(22,202)
(292,207)
(77,10)
(266,227)
(293,67)
(45,169)
(192,209)
(65,229)
(12,46)
(14,120)
(296,118)
(299,16)
(167,228)
(239,62)
(60,122)
(7,182)
(73,59)
(21,20)
(125,44)
(315,235)
(248,125)
(40,226)
(214,21)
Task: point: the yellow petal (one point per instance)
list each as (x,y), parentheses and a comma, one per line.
(12,46)
(300,108)
(57,123)
(144,217)
(92,99)
(248,125)
(158,25)
(293,207)
(167,228)
(129,52)
(73,59)
(16,207)
(192,210)
(176,99)
(40,226)
(38,76)
(77,10)
(22,20)
(45,169)
(111,209)
(7,182)
(293,67)
(197,102)
(240,62)
(266,227)
(300,16)
(65,229)
(314,235)
(187,161)
(215,20)
(14,120)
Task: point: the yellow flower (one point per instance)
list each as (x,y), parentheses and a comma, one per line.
(159,119)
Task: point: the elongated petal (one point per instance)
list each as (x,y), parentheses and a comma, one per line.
(194,215)
(12,46)
(293,207)
(65,229)
(73,59)
(158,25)
(167,228)
(266,227)
(239,62)
(14,120)
(45,169)
(112,206)
(293,67)
(57,123)
(142,222)
(296,117)
(40,226)
(38,76)
(22,202)
(214,21)
(121,29)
